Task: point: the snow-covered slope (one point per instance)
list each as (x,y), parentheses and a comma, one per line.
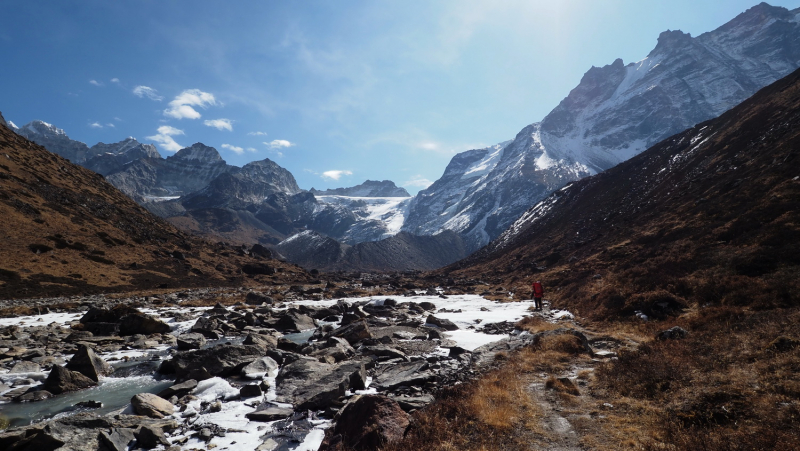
(376,217)
(616,112)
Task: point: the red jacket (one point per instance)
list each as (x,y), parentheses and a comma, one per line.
(538,291)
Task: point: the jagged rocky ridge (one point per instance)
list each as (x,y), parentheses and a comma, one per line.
(616,112)
(707,216)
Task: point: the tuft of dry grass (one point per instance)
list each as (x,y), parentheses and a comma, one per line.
(534,324)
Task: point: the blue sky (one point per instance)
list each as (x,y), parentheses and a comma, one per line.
(335,91)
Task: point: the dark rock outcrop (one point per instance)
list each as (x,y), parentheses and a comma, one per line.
(369,423)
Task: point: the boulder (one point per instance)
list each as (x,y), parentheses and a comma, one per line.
(61,380)
(402,374)
(264,341)
(23,366)
(250,391)
(269,413)
(88,363)
(209,327)
(221,360)
(259,367)
(192,340)
(369,423)
(311,385)
(139,323)
(179,390)
(384,351)
(118,439)
(33,396)
(150,405)
(353,332)
(294,321)
(256,298)
(442,323)
(149,437)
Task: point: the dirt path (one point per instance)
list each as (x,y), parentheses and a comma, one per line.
(567,419)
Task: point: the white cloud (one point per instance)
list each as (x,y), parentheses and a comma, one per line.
(279,144)
(181,106)
(146,91)
(428,145)
(115,80)
(257,134)
(234,149)
(252,149)
(111,125)
(335,175)
(95,125)
(95,82)
(418,181)
(164,138)
(220,124)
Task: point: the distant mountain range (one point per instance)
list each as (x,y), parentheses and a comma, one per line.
(616,112)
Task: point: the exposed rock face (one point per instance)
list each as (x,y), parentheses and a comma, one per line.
(616,112)
(220,360)
(369,423)
(3,120)
(370,188)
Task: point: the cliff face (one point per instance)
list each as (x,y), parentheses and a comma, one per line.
(616,112)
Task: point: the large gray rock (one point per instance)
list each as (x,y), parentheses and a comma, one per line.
(402,374)
(192,340)
(118,439)
(61,380)
(294,321)
(353,332)
(151,405)
(442,323)
(221,360)
(88,363)
(259,367)
(179,390)
(269,413)
(149,437)
(23,366)
(311,385)
(369,423)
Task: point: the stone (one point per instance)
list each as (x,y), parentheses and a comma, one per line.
(402,374)
(256,298)
(250,391)
(139,323)
(442,323)
(25,367)
(353,332)
(270,413)
(88,363)
(259,367)
(61,380)
(33,396)
(221,360)
(118,439)
(369,423)
(149,437)
(150,405)
(264,341)
(384,351)
(409,403)
(192,340)
(311,385)
(179,390)
(673,333)
(294,321)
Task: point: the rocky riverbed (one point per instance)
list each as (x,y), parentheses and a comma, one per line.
(152,372)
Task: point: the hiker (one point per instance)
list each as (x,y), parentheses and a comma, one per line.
(538,292)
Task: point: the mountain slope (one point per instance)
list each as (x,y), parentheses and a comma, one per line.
(67,231)
(614,113)
(400,252)
(707,216)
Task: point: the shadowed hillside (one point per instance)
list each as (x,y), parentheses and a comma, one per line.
(67,231)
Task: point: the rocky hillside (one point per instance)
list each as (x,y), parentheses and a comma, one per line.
(616,112)
(400,252)
(68,231)
(708,216)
